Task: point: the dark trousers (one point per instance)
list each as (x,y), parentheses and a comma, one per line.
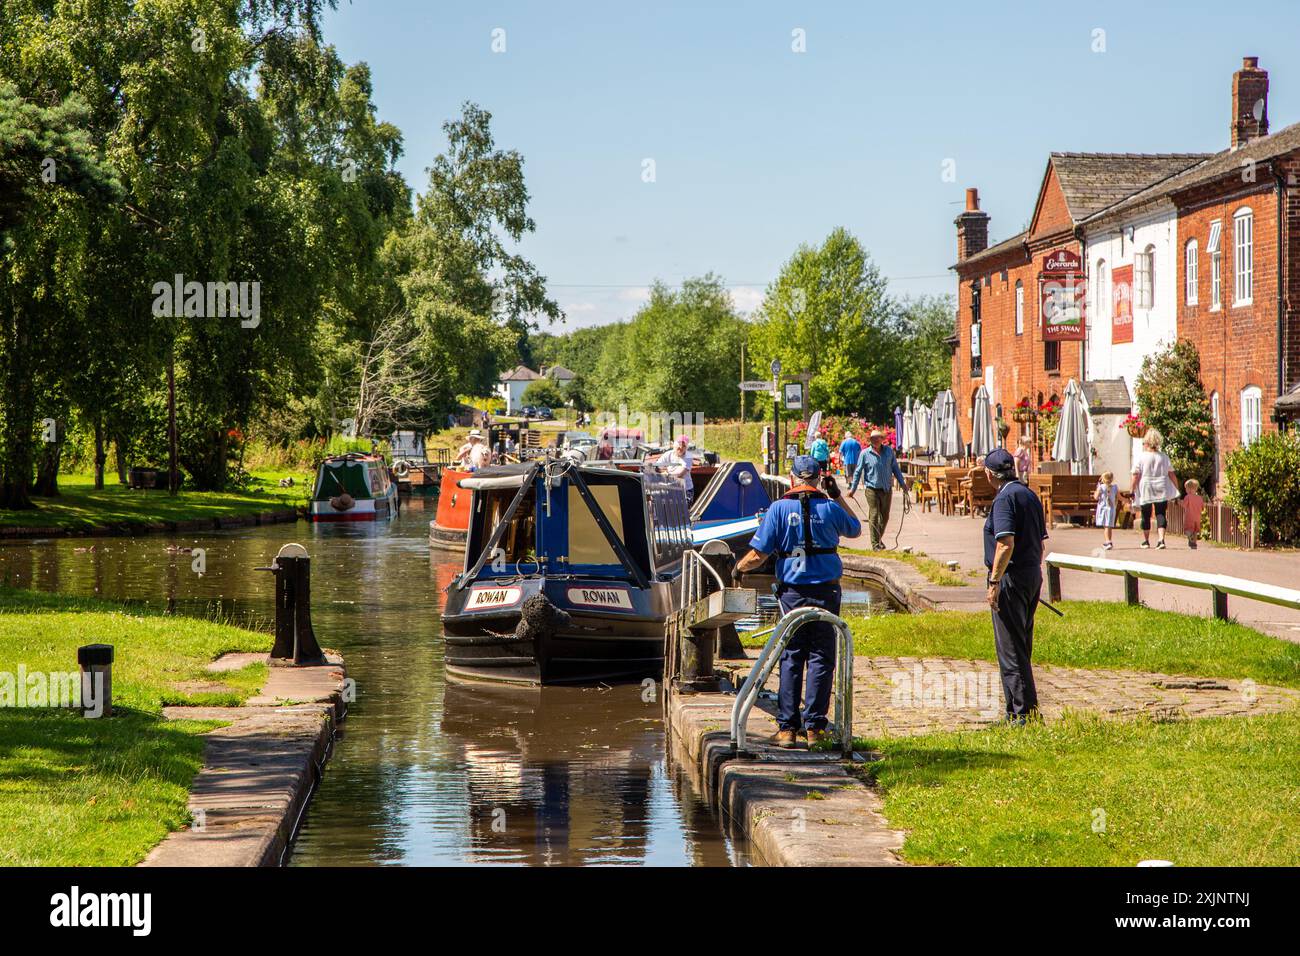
(1013,636)
(1161,508)
(878,505)
(849,468)
(813,647)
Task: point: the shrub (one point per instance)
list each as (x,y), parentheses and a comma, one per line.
(1265,475)
(1173,400)
(544,392)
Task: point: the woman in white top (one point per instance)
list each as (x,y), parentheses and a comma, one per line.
(1154,485)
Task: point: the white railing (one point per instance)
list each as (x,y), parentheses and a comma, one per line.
(781,633)
(1221,585)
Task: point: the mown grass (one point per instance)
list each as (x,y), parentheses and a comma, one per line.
(80,791)
(933,571)
(79,506)
(1088,792)
(1094,634)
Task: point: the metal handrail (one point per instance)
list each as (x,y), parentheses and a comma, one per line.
(693,578)
(781,633)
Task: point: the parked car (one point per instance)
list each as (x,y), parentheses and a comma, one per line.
(543,413)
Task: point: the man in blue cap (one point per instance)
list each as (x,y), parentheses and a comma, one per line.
(803,529)
(1013,552)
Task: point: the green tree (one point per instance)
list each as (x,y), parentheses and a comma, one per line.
(1171,398)
(544,392)
(927,323)
(828,313)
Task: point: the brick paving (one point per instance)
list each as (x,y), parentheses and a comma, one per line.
(906,696)
(959,538)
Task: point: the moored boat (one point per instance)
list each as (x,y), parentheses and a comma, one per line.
(570,572)
(451,520)
(353,487)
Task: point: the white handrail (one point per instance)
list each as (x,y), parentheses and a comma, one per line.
(1221,583)
(767,658)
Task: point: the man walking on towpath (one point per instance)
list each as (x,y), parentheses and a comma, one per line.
(875,469)
(850,452)
(803,529)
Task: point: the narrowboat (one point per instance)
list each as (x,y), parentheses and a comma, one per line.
(729,505)
(451,520)
(570,571)
(353,487)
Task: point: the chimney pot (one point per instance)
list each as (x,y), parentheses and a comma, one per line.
(1249,102)
(972,227)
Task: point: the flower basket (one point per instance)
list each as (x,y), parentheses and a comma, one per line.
(1135,426)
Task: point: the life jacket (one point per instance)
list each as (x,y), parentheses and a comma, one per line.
(805,494)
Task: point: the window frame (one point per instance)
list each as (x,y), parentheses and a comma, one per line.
(1191,273)
(1252,426)
(1243,263)
(1144,278)
(1020,307)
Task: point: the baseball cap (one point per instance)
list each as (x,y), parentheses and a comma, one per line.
(1000,462)
(806,466)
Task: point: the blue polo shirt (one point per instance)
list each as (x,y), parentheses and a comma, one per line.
(877,469)
(782,530)
(850,449)
(1017,511)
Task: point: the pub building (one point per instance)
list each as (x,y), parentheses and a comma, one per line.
(1126,253)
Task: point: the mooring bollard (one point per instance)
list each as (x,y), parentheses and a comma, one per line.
(295,639)
(96,664)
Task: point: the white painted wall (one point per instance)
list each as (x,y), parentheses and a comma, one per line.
(512,394)
(1153,329)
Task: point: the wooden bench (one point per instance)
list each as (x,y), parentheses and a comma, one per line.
(1067,495)
(979,491)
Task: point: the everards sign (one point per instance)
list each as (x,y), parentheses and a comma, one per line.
(1062,293)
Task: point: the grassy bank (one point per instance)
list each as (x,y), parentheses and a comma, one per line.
(77,791)
(933,571)
(79,506)
(1095,634)
(1087,792)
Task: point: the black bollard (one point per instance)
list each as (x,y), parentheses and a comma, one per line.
(96,663)
(295,639)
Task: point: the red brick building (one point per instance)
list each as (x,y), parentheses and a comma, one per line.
(1237,267)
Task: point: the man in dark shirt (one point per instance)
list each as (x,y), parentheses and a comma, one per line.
(1013,553)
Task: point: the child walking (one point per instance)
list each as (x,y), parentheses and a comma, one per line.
(1107,497)
(1193,504)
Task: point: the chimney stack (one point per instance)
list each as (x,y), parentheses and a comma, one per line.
(972,227)
(1249,102)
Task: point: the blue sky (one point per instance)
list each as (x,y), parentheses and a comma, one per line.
(758,148)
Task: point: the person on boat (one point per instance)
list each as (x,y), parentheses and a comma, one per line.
(676,462)
(475,453)
(803,529)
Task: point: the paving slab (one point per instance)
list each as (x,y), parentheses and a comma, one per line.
(260,769)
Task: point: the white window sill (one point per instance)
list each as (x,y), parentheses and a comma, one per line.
(1242,303)
(1217,307)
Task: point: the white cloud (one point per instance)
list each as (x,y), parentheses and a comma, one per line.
(747,298)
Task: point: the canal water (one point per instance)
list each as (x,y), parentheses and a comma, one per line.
(425,771)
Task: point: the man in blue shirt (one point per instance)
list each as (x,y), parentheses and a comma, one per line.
(850,451)
(1013,552)
(878,469)
(803,529)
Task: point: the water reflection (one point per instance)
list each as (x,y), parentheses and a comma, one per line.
(425,772)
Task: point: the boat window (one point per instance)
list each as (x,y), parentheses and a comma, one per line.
(517,544)
(587,543)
